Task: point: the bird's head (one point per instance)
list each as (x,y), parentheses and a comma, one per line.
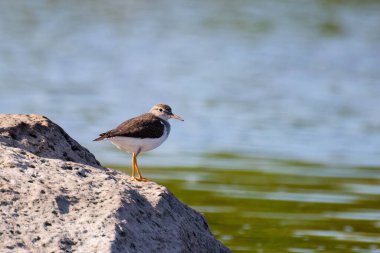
(164,112)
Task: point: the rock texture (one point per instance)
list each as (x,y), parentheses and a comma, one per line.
(55,197)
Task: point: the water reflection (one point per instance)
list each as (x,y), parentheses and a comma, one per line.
(235,191)
(340,236)
(261,210)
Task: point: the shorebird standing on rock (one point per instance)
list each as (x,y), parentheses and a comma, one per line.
(142,133)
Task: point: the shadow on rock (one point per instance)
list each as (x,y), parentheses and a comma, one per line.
(169,226)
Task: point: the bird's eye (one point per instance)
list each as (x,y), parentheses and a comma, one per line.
(160,110)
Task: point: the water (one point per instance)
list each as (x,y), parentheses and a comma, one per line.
(280,144)
(282,205)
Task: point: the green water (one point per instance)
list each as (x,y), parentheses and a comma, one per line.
(282,205)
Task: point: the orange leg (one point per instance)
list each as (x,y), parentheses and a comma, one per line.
(136,169)
(133,166)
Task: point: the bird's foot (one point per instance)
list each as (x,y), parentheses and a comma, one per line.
(140,179)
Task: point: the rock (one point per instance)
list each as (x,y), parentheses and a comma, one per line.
(38,135)
(55,197)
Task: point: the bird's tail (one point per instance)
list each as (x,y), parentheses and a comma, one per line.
(101,137)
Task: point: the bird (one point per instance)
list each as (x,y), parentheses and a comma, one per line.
(141,134)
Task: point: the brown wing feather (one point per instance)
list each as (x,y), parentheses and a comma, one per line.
(144,126)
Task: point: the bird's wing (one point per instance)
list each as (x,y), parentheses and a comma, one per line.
(144,126)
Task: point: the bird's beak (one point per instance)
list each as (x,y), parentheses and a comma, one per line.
(174,116)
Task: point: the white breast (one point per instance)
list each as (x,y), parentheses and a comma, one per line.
(129,144)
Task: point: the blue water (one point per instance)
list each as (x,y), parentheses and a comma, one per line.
(281,79)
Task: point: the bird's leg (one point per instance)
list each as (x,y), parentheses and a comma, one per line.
(140,178)
(133,165)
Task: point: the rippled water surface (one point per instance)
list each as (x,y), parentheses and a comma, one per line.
(283,205)
(280,147)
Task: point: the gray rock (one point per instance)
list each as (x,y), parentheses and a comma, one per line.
(40,136)
(55,197)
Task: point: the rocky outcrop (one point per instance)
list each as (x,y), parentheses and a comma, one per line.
(40,136)
(55,197)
